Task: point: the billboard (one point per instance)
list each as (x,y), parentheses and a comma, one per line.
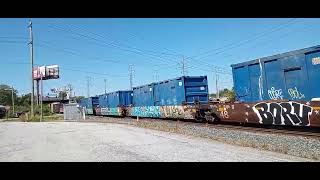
(47,72)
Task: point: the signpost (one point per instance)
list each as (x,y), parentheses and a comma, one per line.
(44,73)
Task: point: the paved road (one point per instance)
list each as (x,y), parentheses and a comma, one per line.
(74,141)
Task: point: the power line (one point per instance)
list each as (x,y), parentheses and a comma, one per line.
(18,42)
(71,69)
(116,46)
(107,44)
(250,39)
(270,42)
(13,37)
(102,37)
(117,43)
(237,44)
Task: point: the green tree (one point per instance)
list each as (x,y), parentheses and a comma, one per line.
(6,95)
(62,95)
(78,98)
(24,100)
(230,94)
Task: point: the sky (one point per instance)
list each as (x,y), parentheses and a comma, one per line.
(94,49)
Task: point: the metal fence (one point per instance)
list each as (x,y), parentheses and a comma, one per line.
(73,112)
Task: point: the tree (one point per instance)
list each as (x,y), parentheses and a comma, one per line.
(78,98)
(6,95)
(230,94)
(62,94)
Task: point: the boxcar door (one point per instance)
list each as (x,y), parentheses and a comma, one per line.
(295,84)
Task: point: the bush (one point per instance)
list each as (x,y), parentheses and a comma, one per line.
(45,110)
(35,118)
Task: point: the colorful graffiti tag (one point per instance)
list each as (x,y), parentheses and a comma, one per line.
(181,112)
(89,111)
(146,111)
(285,113)
(111,111)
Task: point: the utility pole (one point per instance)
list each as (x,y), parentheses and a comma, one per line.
(41,98)
(156,75)
(37,92)
(88,86)
(183,63)
(216,78)
(31,62)
(12,101)
(69,90)
(131,75)
(105,86)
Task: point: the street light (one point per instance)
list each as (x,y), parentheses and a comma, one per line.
(12,98)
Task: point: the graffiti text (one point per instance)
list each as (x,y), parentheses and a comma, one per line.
(286,113)
(295,94)
(275,94)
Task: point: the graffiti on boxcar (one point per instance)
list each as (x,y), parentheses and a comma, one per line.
(110,111)
(224,114)
(182,112)
(89,111)
(295,94)
(224,111)
(286,113)
(146,111)
(275,94)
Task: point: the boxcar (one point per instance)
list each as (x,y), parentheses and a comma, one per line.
(89,104)
(277,90)
(288,76)
(172,98)
(115,103)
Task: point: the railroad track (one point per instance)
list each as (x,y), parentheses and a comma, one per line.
(260,129)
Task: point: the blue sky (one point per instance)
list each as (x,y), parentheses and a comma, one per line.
(103,48)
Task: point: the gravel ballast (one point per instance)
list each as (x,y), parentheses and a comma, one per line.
(292,145)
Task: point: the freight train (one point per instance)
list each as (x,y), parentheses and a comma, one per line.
(282,89)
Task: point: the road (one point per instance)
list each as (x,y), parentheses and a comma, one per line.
(75,141)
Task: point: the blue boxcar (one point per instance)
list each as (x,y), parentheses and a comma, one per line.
(169,98)
(89,104)
(293,76)
(114,103)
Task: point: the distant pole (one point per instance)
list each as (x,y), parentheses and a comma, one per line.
(12,101)
(41,99)
(31,62)
(69,90)
(105,86)
(184,67)
(131,75)
(88,86)
(37,93)
(156,75)
(216,77)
